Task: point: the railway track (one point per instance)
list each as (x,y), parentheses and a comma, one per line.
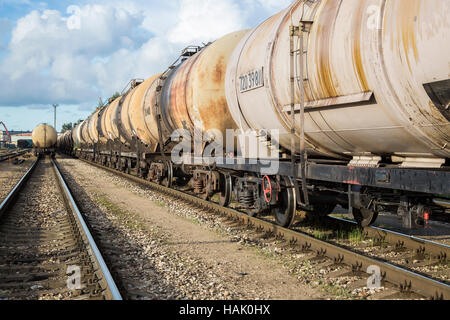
(393,257)
(11,155)
(46,249)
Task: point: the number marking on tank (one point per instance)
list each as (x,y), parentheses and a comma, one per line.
(252,80)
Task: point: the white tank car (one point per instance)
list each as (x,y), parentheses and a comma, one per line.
(375,78)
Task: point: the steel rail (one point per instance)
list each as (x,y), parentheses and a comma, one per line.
(439,251)
(11,155)
(102,271)
(6,203)
(406,280)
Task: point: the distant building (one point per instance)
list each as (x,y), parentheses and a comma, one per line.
(21,136)
(15,136)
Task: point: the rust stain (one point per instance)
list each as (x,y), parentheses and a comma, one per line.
(219,71)
(406,27)
(323,41)
(181,96)
(357,59)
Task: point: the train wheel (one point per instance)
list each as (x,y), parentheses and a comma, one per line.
(285,211)
(168,179)
(365,217)
(226,189)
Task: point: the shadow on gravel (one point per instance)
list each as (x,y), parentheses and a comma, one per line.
(122,254)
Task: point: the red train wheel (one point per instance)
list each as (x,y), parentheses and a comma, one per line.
(267,188)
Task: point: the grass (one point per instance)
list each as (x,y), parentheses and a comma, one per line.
(131,220)
(161,204)
(337,291)
(354,236)
(194,220)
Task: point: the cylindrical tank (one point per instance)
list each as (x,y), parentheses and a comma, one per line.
(93,127)
(44,136)
(193,95)
(67,141)
(59,141)
(123,118)
(76,136)
(108,127)
(136,112)
(101,126)
(85,138)
(376,77)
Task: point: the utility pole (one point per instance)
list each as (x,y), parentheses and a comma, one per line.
(55,106)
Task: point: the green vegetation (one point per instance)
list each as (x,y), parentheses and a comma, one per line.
(160,204)
(70,125)
(67,127)
(131,220)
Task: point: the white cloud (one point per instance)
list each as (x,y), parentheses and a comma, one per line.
(75,55)
(59,60)
(205,20)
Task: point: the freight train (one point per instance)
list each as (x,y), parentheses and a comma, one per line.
(326,103)
(44,139)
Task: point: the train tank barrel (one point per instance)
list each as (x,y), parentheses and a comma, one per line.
(93,126)
(124,124)
(85,137)
(44,136)
(136,113)
(193,95)
(109,120)
(370,69)
(76,136)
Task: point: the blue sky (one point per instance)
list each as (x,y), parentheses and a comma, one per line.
(73,52)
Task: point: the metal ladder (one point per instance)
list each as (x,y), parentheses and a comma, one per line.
(297,32)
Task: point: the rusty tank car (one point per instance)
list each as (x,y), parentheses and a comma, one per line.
(44,139)
(65,142)
(193,93)
(352,97)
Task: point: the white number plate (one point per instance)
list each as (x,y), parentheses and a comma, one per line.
(252,80)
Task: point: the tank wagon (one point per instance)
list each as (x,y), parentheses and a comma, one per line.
(44,139)
(65,142)
(349,98)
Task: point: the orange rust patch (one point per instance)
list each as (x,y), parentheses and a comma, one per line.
(406,27)
(357,60)
(219,71)
(324,34)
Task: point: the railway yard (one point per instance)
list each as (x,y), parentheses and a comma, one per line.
(306,158)
(164,244)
